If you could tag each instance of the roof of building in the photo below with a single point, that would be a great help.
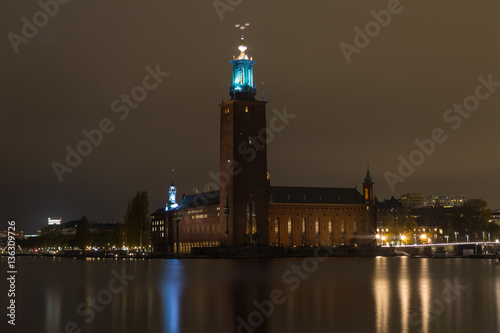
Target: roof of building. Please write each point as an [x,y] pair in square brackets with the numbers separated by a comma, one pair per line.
[192,201]
[200,200]
[389,203]
[159,211]
[315,195]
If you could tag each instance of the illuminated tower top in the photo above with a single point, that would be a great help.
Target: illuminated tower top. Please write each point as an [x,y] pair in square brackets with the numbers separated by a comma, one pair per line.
[172,191]
[242,86]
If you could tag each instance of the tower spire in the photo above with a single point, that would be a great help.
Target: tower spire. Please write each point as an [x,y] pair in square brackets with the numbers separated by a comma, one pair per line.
[242,27]
[368,177]
[368,185]
[242,46]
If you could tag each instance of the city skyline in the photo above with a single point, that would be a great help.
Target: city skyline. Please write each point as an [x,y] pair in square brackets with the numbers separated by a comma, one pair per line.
[392,92]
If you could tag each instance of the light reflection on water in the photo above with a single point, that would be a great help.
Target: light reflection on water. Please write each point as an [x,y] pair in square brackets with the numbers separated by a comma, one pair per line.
[171,291]
[404,294]
[424,291]
[381,295]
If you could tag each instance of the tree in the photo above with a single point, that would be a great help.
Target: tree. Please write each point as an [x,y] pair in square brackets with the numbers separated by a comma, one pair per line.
[137,221]
[83,235]
[472,217]
[494,230]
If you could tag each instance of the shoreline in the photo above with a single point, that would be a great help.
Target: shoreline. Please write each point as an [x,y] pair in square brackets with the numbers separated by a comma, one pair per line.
[255,253]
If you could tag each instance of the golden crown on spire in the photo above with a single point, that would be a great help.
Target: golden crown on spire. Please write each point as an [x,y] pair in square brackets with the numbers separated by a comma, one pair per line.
[242,46]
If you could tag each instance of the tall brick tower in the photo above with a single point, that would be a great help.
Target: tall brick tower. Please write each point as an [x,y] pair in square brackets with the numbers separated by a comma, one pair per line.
[244,189]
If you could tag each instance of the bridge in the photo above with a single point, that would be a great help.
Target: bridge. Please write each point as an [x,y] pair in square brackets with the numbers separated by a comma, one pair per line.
[497,244]
[458,249]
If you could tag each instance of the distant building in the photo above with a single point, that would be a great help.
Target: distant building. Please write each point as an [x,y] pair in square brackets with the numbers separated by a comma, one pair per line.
[69,228]
[18,234]
[495,217]
[446,201]
[412,200]
[56,225]
[417,200]
[55,221]
[387,211]
[4,236]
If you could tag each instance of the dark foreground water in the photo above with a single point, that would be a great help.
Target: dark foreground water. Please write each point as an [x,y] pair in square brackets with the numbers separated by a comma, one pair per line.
[294,295]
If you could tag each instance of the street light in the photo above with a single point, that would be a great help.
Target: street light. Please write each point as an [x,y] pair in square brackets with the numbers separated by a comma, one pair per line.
[403,238]
[422,237]
[377,236]
[447,237]
[456,235]
[467,238]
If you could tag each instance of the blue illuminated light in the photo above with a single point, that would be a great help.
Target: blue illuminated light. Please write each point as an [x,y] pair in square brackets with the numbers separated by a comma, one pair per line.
[172,194]
[171,206]
[243,75]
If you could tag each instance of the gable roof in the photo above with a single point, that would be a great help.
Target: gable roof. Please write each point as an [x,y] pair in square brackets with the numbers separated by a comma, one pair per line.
[315,195]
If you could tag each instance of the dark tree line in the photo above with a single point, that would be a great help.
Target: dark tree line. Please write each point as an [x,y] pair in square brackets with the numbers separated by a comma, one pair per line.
[137,221]
[473,217]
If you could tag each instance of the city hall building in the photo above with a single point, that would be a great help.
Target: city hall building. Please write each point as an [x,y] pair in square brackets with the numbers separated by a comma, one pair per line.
[247,210]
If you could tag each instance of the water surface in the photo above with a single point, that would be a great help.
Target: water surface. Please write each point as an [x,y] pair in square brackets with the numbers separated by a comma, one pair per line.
[337,295]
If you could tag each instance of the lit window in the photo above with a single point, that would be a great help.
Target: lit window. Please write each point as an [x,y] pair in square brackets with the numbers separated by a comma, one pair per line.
[289,226]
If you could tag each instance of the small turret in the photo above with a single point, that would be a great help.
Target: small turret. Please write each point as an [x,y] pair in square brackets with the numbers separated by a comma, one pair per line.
[368,187]
[172,193]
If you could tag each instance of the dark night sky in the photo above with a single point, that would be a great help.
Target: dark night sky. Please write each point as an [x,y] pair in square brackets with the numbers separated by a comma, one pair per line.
[395,91]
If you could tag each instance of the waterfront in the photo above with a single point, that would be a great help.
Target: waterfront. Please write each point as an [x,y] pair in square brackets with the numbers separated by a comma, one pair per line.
[383,294]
